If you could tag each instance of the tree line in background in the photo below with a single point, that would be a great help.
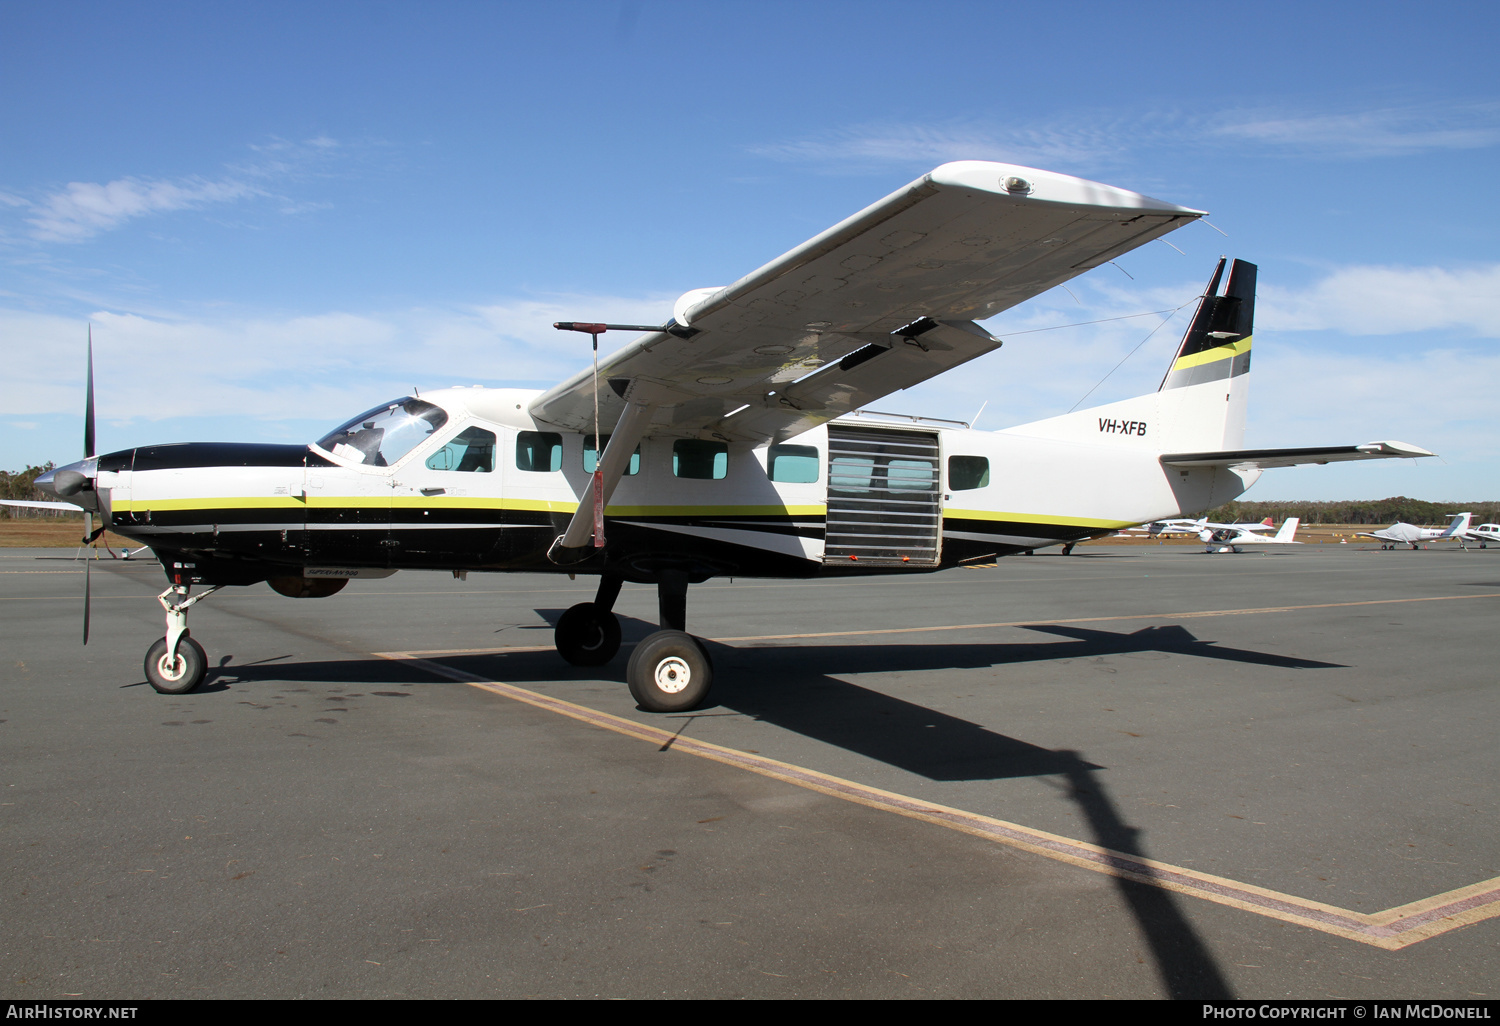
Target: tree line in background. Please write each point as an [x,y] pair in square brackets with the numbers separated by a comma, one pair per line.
[21,486]
[1377,511]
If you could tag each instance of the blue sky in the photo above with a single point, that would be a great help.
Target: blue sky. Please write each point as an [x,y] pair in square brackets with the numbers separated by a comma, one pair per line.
[276,215]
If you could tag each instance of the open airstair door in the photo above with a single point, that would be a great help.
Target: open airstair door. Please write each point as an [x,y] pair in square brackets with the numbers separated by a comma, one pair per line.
[884,500]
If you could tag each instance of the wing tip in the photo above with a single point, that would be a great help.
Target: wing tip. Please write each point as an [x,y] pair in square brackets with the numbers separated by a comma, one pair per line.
[1040,185]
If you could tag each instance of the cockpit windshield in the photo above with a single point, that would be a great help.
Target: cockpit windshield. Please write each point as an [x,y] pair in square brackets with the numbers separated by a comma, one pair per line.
[383,435]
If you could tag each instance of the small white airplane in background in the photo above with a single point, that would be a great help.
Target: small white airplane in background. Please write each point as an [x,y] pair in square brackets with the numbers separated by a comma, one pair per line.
[1399,534]
[1484,534]
[1232,537]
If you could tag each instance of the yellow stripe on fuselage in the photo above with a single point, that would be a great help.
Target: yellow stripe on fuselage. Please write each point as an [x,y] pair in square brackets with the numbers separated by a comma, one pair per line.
[451,502]
[1036,518]
[1224,352]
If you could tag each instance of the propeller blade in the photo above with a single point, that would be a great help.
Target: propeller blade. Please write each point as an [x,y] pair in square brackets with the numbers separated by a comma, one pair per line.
[88,527]
[88,403]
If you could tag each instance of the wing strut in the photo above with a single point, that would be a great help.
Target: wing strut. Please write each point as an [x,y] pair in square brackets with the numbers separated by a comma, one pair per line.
[572,545]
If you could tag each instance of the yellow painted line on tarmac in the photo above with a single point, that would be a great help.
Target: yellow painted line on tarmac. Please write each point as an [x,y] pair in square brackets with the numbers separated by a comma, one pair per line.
[1010,623]
[1191,615]
[1392,929]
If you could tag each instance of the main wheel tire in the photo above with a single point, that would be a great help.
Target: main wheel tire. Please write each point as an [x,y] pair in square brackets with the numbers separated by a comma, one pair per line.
[181,675]
[669,672]
[587,635]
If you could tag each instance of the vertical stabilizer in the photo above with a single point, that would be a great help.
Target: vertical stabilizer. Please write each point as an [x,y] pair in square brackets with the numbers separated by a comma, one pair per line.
[1200,406]
[1459,526]
[1217,343]
[1288,530]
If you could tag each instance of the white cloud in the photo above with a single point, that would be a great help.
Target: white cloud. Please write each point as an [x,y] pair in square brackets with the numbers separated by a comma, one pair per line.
[1104,137]
[327,366]
[1372,300]
[84,209]
[1387,131]
[882,145]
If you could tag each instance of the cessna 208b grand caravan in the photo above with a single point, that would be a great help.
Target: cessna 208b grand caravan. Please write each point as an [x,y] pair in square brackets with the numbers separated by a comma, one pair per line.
[728,441]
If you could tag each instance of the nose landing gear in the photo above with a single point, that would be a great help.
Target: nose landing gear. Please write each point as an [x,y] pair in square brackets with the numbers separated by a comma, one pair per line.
[176,664]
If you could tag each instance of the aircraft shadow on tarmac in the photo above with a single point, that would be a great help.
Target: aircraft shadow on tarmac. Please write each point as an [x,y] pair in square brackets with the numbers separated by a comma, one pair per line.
[800,688]
[793,687]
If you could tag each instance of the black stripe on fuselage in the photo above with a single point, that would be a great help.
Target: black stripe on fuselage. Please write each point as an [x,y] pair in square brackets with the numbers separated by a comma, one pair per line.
[194,455]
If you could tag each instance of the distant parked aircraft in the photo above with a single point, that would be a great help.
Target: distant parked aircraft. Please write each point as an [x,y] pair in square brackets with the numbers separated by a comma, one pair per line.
[1232,537]
[1399,534]
[1483,534]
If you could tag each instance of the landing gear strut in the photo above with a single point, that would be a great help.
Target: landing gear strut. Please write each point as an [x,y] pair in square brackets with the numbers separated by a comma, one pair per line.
[588,634]
[176,664]
[670,670]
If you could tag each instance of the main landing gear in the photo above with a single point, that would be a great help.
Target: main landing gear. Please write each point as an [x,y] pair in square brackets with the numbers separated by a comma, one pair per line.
[176,664]
[669,671]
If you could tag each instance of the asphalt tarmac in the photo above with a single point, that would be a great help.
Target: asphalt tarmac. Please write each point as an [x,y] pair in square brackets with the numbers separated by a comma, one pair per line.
[1127,773]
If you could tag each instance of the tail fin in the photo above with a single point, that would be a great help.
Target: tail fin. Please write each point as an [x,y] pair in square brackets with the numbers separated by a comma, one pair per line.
[1288,530]
[1200,405]
[1217,343]
[1459,526]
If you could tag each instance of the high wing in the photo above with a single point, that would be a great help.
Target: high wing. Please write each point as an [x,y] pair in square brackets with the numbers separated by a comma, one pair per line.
[1264,459]
[877,303]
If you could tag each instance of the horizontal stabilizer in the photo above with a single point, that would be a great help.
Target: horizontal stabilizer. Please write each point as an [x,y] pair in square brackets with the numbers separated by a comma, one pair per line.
[1265,459]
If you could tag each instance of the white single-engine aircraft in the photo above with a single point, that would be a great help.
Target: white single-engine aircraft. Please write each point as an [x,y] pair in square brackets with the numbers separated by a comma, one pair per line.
[730,439]
[1484,534]
[1399,534]
[1233,537]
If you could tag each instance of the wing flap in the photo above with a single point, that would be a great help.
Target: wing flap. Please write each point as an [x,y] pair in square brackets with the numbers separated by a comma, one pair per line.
[1265,459]
[959,244]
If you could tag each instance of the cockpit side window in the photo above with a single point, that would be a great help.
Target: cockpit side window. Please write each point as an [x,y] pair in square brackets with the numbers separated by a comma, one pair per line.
[380,437]
[472,450]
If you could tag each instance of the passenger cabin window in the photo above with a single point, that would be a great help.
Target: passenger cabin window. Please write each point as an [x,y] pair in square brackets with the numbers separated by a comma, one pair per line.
[383,435]
[694,458]
[851,473]
[793,464]
[538,451]
[471,451]
[910,476]
[591,456]
[965,472]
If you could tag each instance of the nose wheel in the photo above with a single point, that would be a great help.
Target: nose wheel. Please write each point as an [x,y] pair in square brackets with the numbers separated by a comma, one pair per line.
[176,664]
[179,674]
